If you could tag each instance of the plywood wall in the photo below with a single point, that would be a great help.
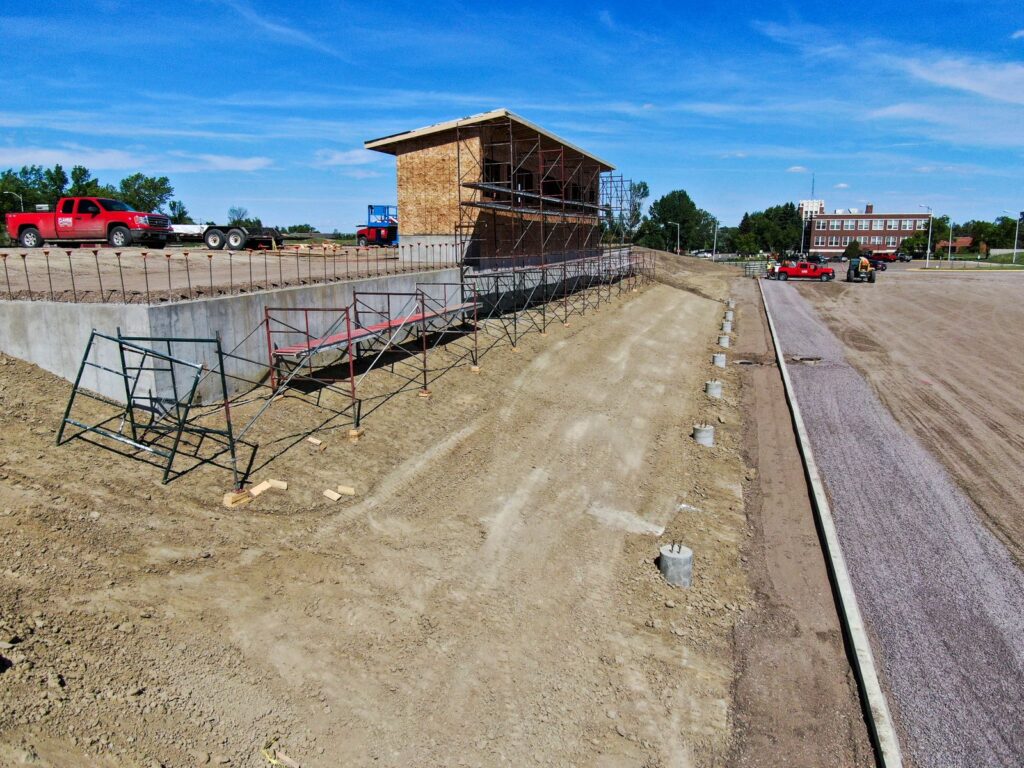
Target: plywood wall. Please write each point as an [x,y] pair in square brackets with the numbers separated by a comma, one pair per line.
[428,183]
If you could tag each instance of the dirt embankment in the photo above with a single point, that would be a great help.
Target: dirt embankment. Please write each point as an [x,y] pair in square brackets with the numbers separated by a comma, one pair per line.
[487,598]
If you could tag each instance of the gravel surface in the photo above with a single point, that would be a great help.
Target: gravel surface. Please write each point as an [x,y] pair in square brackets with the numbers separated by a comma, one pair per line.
[943,599]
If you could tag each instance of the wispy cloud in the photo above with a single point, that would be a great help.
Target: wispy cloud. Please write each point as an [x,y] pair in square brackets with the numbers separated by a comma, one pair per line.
[1018,35]
[279,30]
[994,80]
[99,159]
[797,169]
[842,185]
[333,157]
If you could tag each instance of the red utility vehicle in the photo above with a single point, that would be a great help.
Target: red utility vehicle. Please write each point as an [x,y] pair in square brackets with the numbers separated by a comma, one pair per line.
[89,220]
[804,269]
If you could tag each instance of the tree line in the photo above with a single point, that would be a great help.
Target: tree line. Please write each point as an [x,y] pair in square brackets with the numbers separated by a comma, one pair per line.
[777,229]
[33,185]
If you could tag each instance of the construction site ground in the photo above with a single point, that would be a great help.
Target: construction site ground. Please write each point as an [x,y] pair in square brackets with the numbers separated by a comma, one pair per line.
[942,597]
[488,596]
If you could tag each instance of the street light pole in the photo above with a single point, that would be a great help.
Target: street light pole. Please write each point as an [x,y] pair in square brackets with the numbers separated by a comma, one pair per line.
[928,250]
[20,199]
[1016,233]
[949,255]
[677,237]
[714,247]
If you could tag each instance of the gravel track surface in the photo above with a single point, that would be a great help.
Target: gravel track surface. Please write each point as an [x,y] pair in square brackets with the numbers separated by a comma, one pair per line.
[942,597]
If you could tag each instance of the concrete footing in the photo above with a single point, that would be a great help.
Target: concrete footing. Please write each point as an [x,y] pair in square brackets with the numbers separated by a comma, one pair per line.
[676,564]
[718,359]
[713,388]
[723,341]
[727,326]
[704,434]
[731,303]
[729,315]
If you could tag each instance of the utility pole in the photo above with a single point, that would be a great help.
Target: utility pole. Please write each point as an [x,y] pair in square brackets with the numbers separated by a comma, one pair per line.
[928,251]
[677,237]
[1016,234]
[714,247]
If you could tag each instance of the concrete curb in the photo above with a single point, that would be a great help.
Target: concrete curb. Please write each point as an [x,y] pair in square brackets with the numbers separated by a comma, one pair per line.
[883,731]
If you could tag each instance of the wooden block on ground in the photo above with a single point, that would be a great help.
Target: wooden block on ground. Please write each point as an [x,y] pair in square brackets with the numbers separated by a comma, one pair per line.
[281,485]
[332,495]
[355,434]
[236,498]
[314,441]
[346,490]
[256,490]
[474,369]
[424,393]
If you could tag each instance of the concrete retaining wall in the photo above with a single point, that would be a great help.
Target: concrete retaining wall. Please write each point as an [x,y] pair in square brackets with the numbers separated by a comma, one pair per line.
[53,335]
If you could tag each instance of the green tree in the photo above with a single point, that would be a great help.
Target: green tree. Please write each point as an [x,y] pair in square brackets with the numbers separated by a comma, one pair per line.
[55,182]
[696,226]
[84,185]
[852,251]
[649,235]
[179,213]
[638,193]
[777,229]
[239,217]
[146,193]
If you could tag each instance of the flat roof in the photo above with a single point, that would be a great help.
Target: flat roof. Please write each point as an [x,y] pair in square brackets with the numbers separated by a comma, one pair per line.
[388,144]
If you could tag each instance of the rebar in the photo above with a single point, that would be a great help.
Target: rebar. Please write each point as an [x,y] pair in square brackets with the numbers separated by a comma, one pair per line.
[7,276]
[99,276]
[71,269]
[145,273]
[49,277]
[28,285]
[188,274]
[120,272]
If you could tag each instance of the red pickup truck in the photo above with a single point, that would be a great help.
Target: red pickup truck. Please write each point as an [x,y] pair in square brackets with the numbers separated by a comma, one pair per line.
[803,269]
[89,220]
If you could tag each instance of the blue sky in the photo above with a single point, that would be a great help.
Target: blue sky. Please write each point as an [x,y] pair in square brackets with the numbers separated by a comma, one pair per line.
[266,104]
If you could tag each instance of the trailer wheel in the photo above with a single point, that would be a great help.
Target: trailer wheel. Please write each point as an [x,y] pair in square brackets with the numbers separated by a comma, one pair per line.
[30,238]
[214,239]
[362,241]
[236,239]
[119,237]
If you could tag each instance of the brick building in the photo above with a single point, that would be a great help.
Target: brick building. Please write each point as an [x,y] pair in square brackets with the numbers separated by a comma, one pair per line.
[829,234]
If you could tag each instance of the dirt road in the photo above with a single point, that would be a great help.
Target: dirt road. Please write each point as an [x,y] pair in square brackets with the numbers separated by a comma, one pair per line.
[487,598]
[941,595]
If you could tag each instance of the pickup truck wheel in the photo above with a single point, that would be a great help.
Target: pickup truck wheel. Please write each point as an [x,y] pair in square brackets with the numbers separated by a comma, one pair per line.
[362,241]
[214,239]
[236,239]
[782,276]
[824,278]
[119,237]
[30,238]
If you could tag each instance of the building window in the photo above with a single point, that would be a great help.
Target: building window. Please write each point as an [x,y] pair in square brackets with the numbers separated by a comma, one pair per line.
[890,241]
[835,224]
[846,240]
[821,224]
[892,224]
[863,224]
[850,224]
[833,240]
[922,223]
[819,240]
[877,224]
[908,224]
[876,239]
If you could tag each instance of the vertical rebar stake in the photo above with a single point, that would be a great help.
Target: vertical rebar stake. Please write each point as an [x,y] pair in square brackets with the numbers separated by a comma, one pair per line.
[120,272]
[28,285]
[49,278]
[7,277]
[99,277]
[188,274]
[71,269]
[209,268]
[145,273]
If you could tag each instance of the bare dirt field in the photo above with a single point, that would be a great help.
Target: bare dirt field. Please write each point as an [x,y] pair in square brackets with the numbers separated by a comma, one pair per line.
[138,275]
[941,595]
[488,597]
[945,353]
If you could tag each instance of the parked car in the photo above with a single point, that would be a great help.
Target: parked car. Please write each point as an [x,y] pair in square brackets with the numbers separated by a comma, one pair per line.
[803,270]
[89,220]
[883,256]
[901,256]
[878,264]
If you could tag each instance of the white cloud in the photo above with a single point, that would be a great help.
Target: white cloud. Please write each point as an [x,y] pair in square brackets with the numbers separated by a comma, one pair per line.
[797,169]
[999,81]
[1018,35]
[332,157]
[230,163]
[278,30]
[842,185]
[94,159]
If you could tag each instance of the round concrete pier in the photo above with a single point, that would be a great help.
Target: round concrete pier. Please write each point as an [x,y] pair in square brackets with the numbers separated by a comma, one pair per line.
[729,315]
[718,359]
[727,326]
[676,564]
[713,388]
[731,304]
[723,341]
[704,434]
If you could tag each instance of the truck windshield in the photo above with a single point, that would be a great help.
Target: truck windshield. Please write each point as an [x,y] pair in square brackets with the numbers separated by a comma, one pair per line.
[114,205]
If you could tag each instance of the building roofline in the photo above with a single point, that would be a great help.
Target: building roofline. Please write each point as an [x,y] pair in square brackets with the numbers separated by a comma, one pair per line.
[387,144]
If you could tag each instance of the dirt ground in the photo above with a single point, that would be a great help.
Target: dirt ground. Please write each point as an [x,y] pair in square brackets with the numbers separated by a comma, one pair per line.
[138,275]
[944,353]
[488,597]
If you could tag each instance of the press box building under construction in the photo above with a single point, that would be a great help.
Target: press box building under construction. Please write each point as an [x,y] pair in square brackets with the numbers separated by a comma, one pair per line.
[502,191]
